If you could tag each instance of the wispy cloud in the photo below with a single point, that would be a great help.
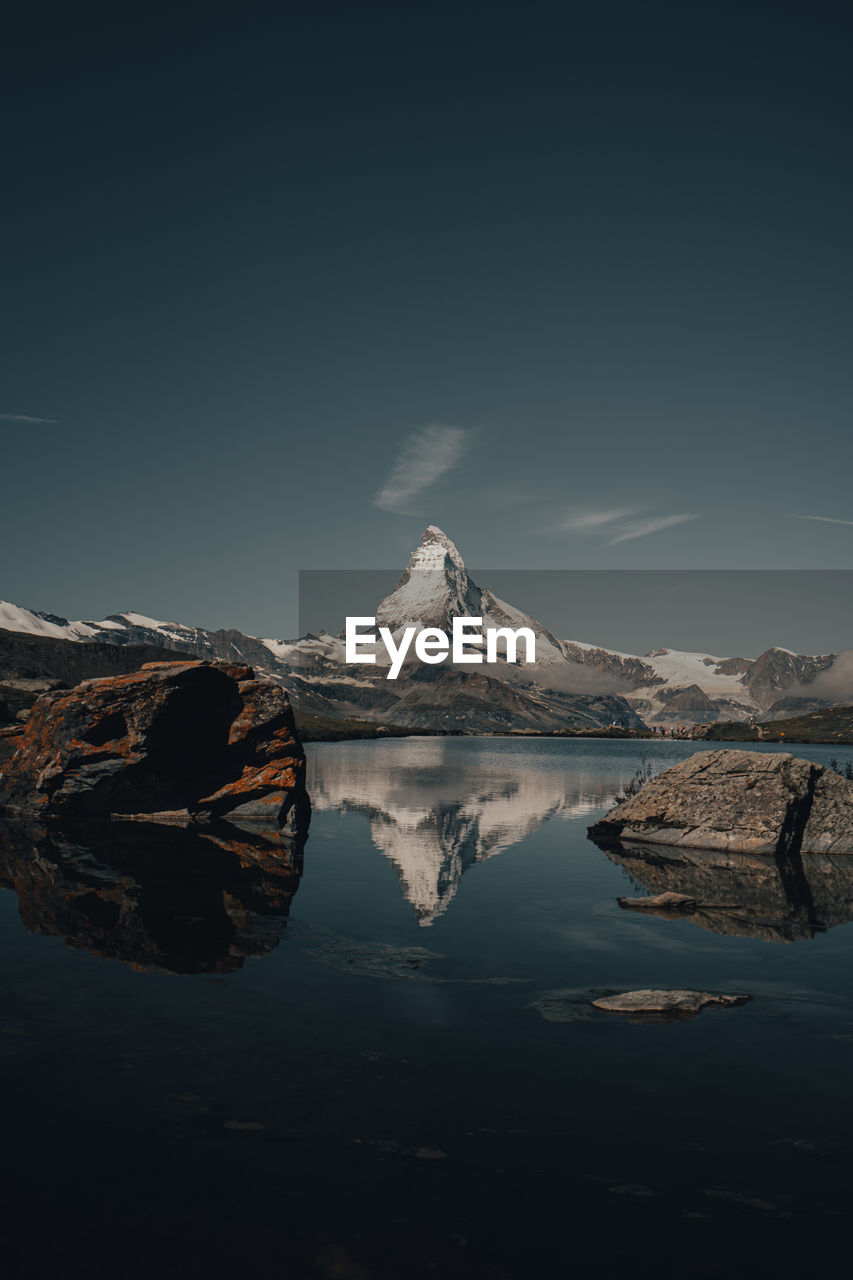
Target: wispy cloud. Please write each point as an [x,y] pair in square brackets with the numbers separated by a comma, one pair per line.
[425,457]
[823,519]
[25,417]
[619,524]
[641,528]
[590,521]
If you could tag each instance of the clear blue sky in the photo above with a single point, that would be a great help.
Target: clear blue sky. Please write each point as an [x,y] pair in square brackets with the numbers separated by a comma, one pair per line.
[294,280]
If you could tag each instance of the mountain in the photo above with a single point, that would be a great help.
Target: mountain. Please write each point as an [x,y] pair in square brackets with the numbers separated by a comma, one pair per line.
[573,684]
[668,686]
[436,588]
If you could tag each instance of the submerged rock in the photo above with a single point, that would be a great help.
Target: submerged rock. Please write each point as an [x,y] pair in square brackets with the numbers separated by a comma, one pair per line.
[664,903]
[202,739]
[739,801]
[664,1006]
[569,1004]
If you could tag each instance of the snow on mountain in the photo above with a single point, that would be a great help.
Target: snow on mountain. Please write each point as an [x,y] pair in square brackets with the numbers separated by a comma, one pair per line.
[14,618]
[436,588]
[680,670]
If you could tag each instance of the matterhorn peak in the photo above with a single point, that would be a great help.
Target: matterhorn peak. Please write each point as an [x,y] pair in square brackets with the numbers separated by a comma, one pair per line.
[434,588]
[434,550]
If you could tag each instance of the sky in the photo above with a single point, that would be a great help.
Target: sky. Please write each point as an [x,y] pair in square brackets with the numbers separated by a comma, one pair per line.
[284,283]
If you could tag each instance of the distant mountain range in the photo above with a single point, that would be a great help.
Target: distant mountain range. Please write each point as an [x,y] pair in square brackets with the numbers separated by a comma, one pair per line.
[573,684]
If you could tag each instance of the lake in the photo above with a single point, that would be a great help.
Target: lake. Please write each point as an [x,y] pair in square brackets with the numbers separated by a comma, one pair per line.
[377,1056]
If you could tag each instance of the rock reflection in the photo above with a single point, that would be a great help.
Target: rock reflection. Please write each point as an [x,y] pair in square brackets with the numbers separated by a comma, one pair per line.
[168,898]
[434,817]
[749,896]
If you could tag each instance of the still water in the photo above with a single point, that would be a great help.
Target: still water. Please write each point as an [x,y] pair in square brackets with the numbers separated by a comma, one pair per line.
[376,1056]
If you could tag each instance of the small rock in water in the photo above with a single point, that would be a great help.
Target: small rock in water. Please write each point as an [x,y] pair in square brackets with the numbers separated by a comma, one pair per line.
[664,1006]
[667,902]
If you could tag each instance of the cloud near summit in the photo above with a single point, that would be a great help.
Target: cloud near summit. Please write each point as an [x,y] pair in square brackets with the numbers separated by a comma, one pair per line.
[620,524]
[425,456]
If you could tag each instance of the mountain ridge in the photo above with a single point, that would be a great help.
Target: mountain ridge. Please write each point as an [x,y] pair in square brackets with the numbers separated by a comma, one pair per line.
[573,683]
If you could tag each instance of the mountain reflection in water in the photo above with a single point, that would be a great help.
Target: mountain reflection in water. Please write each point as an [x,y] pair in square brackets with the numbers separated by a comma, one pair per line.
[436,809]
[434,821]
[158,897]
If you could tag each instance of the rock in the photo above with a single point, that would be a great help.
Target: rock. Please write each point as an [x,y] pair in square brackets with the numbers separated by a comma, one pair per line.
[741,802]
[664,1006]
[10,738]
[667,903]
[18,695]
[202,738]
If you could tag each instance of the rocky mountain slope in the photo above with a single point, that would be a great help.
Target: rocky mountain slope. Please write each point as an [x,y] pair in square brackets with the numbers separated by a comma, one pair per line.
[668,686]
[574,684]
[833,724]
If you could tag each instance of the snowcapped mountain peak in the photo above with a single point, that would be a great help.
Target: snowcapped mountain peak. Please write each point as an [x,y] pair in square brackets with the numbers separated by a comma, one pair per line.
[433,550]
[435,587]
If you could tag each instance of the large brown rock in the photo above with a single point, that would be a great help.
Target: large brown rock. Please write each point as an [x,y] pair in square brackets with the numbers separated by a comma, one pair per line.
[741,802]
[202,738]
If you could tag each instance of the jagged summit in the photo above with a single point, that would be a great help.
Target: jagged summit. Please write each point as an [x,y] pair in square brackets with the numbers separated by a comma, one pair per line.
[433,549]
[435,587]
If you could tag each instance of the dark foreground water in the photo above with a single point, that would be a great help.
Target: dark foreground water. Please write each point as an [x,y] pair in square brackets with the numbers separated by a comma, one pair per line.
[378,1059]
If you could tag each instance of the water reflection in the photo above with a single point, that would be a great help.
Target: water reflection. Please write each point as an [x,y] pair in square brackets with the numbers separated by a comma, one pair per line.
[434,815]
[168,898]
[775,899]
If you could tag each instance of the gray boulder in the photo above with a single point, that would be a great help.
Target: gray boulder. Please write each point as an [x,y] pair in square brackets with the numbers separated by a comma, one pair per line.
[740,802]
[667,903]
[665,1006]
